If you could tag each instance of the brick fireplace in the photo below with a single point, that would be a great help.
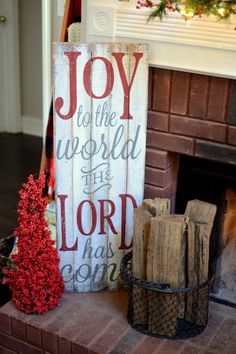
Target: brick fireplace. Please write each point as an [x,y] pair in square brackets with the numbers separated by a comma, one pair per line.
[193,116]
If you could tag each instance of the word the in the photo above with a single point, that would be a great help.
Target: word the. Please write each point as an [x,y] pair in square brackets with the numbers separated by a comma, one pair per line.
[101,117]
[97,177]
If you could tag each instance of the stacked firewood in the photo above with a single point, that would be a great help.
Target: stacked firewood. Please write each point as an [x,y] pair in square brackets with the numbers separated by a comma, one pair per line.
[170,249]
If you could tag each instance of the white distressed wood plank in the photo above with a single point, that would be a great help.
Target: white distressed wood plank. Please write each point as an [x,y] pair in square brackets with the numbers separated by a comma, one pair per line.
[118,173]
[106,170]
[63,132]
[101,78]
[81,260]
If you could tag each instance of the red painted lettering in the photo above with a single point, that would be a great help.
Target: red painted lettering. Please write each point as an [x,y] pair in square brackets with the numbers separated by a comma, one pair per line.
[72,56]
[124,198]
[107,217]
[93,218]
[59,102]
[64,246]
[126,87]
[87,77]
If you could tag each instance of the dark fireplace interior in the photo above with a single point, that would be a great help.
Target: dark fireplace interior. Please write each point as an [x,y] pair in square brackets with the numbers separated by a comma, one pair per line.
[192,118]
[215,183]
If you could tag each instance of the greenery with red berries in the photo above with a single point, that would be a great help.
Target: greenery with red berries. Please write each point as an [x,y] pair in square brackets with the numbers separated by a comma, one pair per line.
[223,9]
[35,281]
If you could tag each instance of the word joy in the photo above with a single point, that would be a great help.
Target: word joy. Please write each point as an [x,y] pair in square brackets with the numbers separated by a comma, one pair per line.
[110,78]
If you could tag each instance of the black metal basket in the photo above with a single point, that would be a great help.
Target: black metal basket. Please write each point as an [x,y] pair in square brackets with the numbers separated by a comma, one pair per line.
[158,310]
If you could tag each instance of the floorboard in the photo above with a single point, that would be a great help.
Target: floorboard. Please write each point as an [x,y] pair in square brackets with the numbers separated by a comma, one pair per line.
[20,156]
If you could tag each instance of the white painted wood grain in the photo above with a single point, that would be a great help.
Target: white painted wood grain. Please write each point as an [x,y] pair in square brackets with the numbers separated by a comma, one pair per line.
[95,265]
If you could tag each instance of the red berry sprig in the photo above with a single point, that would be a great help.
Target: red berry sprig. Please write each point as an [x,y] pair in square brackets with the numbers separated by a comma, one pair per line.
[141,4]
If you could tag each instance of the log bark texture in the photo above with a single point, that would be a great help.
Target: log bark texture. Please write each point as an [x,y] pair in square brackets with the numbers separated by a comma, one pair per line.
[166,265]
[201,217]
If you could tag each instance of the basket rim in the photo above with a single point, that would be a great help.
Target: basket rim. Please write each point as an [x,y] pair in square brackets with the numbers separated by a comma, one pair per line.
[158,287]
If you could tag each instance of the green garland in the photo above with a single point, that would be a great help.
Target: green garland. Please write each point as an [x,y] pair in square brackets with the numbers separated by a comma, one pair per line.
[222,10]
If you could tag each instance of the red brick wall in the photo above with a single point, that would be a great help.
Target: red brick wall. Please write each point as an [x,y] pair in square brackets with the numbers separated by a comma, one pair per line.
[188,114]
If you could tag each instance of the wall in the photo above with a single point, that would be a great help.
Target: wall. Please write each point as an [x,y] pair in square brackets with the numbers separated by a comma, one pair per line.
[189,114]
[50,32]
[30,38]
[56,19]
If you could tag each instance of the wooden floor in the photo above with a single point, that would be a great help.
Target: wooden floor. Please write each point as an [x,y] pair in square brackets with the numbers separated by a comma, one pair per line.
[20,156]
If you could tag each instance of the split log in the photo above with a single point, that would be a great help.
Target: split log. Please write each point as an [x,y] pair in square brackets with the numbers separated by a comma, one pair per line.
[142,221]
[157,206]
[197,272]
[167,250]
[201,212]
[201,217]
[166,264]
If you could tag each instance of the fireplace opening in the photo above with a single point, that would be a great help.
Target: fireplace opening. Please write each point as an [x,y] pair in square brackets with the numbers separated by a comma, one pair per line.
[215,183]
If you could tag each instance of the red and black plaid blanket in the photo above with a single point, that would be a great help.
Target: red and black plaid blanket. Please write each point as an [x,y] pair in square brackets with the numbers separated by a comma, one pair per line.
[49,155]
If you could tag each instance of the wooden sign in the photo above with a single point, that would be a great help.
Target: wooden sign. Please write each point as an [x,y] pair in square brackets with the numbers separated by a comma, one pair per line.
[100,105]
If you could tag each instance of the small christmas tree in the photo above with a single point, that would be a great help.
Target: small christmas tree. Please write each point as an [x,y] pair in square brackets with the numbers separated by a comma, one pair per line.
[36,282]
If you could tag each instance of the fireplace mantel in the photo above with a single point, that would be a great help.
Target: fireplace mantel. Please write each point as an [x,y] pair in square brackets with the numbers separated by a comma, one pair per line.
[203,46]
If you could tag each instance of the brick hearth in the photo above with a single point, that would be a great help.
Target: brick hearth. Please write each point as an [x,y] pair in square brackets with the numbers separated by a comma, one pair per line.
[95,323]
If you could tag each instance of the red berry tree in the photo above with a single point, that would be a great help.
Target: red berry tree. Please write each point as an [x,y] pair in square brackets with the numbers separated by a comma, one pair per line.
[36,282]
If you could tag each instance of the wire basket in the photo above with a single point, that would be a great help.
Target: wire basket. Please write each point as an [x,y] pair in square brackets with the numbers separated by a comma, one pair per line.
[162,311]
